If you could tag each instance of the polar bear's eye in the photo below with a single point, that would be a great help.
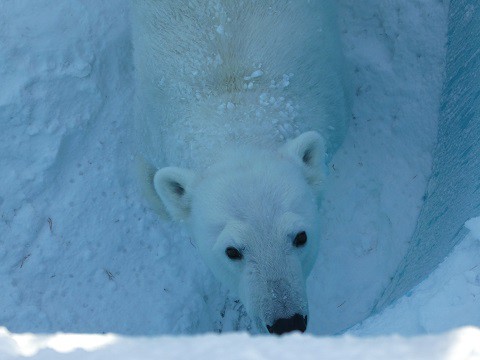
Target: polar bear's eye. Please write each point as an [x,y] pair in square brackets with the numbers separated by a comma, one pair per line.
[233,253]
[300,239]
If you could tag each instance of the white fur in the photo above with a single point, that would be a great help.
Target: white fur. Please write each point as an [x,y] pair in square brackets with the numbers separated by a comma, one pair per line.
[238,92]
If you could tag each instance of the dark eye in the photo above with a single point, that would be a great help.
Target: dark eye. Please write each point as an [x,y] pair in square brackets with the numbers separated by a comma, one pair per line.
[300,239]
[233,253]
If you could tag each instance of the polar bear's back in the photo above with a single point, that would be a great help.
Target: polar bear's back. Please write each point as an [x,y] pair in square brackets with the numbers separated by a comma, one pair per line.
[212,73]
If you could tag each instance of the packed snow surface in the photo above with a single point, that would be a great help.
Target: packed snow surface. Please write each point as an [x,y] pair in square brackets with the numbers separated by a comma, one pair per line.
[449,297]
[80,252]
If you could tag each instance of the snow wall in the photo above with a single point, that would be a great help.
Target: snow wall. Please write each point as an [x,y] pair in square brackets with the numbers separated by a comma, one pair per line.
[453,192]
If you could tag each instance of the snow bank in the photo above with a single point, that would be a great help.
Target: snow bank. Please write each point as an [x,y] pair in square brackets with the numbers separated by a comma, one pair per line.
[452,195]
[378,177]
[449,297]
[462,344]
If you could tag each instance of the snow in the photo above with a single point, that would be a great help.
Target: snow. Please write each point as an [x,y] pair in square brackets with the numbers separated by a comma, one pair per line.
[474,226]
[79,252]
[452,195]
[462,344]
[448,298]
[378,177]
[256,74]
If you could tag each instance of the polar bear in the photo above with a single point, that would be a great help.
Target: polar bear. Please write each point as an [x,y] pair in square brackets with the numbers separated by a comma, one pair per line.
[239,106]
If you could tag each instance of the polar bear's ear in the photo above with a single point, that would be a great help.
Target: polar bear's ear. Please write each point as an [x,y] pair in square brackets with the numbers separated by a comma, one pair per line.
[308,150]
[174,185]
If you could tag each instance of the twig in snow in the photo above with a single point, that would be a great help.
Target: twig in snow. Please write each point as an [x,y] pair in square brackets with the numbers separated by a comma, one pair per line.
[24,259]
[50,224]
[109,274]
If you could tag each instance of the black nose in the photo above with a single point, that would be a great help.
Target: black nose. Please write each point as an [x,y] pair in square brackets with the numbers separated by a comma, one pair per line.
[296,322]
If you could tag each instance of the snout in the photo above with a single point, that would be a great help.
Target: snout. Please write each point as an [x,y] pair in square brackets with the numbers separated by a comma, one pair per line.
[295,323]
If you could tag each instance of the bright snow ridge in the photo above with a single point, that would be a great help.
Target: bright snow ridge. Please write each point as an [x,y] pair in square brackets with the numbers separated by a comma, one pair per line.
[459,345]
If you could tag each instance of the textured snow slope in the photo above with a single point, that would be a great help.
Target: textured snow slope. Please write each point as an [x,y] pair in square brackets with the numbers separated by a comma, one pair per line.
[449,297]
[79,252]
[453,191]
[378,177]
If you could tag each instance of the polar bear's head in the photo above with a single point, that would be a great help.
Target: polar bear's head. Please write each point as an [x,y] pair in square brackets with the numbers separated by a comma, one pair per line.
[253,216]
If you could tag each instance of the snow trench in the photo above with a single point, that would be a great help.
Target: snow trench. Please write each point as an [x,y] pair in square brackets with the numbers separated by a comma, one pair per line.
[453,193]
[79,252]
